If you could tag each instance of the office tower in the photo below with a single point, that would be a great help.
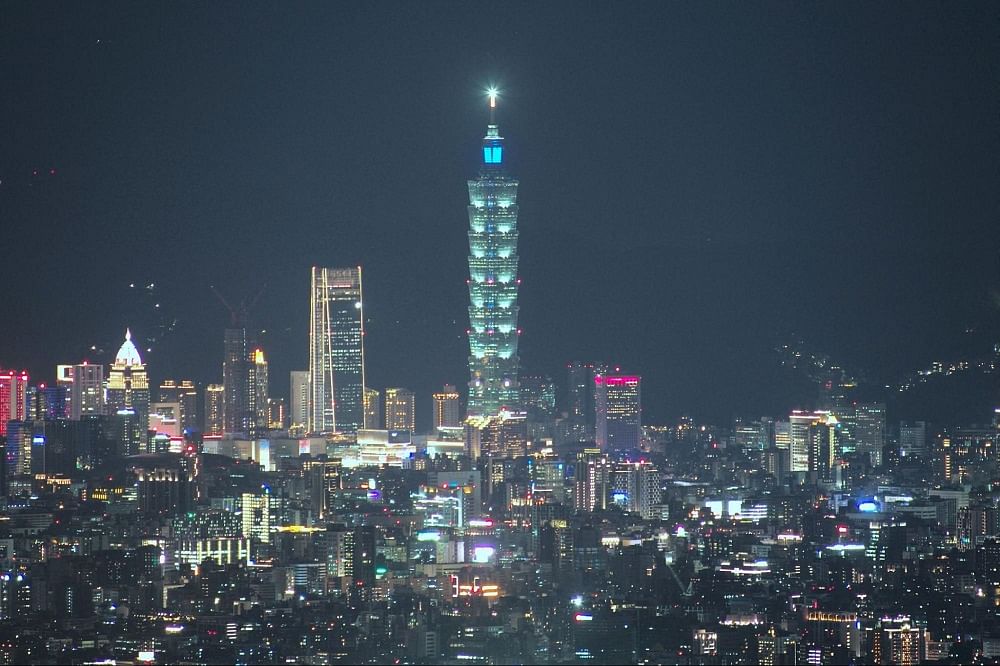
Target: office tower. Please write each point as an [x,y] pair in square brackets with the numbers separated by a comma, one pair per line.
[468,483]
[538,398]
[635,486]
[64,378]
[339,542]
[798,438]
[336,351]
[593,474]
[363,564]
[579,406]
[165,419]
[773,649]
[493,282]
[128,397]
[324,476]
[548,479]
[239,395]
[168,391]
[47,402]
[299,413]
[13,398]
[898,641]
[188,397]
[503,435]
[447,408]
[912,438]
[618,412]
[18,452]
[214,408]
[185,394]
[753,436]
[165,491]
[823,444]
[277,414]
[85,383]
[373,409]
[835,387]
[256,510]
[261,397]
[869,430]
[15,600]
[399,409]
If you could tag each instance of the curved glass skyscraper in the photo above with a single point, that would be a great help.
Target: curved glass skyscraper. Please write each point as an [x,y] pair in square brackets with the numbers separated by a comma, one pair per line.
[493,281]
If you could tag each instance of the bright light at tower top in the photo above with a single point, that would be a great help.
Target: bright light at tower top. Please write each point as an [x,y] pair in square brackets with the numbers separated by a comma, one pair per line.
[493,92]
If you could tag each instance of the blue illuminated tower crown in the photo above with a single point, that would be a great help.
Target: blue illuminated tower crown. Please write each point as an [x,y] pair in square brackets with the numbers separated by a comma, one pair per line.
[493,281]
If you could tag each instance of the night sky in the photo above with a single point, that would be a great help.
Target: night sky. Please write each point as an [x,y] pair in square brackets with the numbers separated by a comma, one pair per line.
[696,179]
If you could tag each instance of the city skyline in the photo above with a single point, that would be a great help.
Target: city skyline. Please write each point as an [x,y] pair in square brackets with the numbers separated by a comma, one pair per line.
[707,373]
[693,207]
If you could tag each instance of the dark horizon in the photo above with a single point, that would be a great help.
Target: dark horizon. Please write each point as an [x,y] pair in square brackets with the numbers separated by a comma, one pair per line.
[695,183]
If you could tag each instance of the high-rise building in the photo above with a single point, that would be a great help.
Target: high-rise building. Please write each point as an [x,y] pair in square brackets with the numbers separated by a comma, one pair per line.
[47,402]
[186,395]
[128,396]
[503,435]
[18,454]
[593,476]
[493,282]
[165,490]
[239,394]
[912,438]
[400,409]
[799,423]
[64,378]
[85,384]
[277,413]
[299,402]
[13,398]
[538,398]
[447,408]
[363,564]
[256,509]
[824,436]
[214,408]
[635,486]
[324,484]
[898,641]
[373,409]
[869,430]
[580,395]
[618,412]
[262,415]
[336,351]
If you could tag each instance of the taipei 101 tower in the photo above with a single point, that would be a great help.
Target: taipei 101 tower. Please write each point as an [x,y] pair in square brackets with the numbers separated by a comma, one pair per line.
[493,281]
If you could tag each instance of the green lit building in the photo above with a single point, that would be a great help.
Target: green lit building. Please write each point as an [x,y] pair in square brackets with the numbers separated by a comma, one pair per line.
[493,281]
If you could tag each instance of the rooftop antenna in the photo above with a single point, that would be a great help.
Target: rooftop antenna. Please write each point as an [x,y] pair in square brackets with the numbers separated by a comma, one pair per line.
[492,92]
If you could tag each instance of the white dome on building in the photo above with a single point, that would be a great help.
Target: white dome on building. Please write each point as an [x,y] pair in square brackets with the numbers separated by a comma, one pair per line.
[128,355]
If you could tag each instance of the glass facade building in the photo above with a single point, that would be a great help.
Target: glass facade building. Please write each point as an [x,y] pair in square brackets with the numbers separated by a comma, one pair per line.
[493,283]
[239,408]
[618,411]
[336,351]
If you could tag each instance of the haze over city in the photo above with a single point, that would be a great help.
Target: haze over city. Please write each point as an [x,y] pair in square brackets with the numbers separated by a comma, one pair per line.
[710,180]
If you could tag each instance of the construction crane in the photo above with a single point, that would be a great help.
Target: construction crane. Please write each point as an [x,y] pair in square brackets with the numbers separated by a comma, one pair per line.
[241,313]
